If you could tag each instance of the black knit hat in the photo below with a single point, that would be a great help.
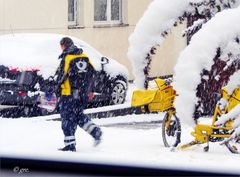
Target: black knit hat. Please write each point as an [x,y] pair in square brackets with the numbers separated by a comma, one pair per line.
[66,41]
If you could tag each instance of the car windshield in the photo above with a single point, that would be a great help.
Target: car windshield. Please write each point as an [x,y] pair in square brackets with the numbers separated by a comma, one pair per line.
[91,53]
[24,78]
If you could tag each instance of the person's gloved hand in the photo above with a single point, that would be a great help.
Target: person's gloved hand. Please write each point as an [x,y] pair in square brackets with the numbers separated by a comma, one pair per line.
[50,86]
[51,89]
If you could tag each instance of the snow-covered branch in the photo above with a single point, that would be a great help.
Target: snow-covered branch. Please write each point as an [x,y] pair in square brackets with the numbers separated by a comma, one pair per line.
[234,82]
[160,17]
[195,27]
[233,114]
[158,20]
[199,55]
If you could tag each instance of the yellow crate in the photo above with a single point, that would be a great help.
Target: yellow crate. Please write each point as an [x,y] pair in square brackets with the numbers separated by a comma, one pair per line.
[157,100]
[163,100]
[142,97]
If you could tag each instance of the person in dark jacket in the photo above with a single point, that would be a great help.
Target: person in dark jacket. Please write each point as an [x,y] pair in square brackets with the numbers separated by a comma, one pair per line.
[74,78]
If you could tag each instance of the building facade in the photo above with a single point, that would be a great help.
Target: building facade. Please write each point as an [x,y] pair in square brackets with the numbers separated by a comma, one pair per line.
[104,24]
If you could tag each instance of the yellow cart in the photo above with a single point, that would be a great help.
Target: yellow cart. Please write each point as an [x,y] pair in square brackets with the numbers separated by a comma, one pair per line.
[161,99]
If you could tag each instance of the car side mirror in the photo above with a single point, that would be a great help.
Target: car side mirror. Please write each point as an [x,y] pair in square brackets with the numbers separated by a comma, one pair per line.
[104,61]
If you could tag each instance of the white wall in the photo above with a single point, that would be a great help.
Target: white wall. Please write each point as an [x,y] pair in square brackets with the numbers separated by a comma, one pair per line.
[166,55]
[30,15]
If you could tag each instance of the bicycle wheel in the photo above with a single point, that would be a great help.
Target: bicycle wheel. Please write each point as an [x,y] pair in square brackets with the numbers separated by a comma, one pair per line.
[171,129]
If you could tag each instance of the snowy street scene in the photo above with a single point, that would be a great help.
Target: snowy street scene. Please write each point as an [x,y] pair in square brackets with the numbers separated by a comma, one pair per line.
[134,140]
[95,88]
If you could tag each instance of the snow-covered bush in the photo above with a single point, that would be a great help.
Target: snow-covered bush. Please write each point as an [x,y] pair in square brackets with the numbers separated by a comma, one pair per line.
[200,56]
[157,22]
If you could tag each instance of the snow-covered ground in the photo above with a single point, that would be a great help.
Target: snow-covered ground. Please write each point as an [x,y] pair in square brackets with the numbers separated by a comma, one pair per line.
[40,137]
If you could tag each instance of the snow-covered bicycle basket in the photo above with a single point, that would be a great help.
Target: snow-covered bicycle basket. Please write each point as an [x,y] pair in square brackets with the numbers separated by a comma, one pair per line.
[158,99]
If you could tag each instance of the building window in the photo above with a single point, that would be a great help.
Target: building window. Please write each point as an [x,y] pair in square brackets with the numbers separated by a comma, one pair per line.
[108,11]
[72,12]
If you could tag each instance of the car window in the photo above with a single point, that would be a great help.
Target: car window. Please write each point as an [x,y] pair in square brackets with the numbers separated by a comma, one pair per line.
[25,78]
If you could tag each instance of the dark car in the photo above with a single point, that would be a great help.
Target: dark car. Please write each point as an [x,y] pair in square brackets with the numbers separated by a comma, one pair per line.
[22,88]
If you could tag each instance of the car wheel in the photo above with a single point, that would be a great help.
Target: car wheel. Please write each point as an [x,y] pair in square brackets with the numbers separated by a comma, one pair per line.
[118,91]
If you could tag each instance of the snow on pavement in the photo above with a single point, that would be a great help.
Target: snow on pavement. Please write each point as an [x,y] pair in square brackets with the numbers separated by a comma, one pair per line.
[128,144]
[40,138]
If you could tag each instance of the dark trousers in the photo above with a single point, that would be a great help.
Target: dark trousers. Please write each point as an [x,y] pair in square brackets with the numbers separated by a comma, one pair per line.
[71,111]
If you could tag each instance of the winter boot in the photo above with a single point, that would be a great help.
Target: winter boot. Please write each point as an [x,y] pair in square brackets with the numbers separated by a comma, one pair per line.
[93,130]
[97,138]
[70,147]
[70,143]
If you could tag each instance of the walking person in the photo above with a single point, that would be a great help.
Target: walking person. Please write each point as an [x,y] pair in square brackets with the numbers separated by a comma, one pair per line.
[74,78]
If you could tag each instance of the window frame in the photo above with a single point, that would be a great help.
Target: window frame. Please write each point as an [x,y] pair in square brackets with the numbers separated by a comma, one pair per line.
[109,21]
[75,21]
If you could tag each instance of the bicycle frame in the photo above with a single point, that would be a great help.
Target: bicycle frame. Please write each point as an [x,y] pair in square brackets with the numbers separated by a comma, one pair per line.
[211,133]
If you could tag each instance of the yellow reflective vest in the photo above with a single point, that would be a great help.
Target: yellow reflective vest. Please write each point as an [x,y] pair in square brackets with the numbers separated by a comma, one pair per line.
[66,86]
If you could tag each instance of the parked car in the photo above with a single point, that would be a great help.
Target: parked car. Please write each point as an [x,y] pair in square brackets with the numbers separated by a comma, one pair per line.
[35,58]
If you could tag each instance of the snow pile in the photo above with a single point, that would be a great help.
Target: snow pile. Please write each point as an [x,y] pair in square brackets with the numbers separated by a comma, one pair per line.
[158,20]
[199,55]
